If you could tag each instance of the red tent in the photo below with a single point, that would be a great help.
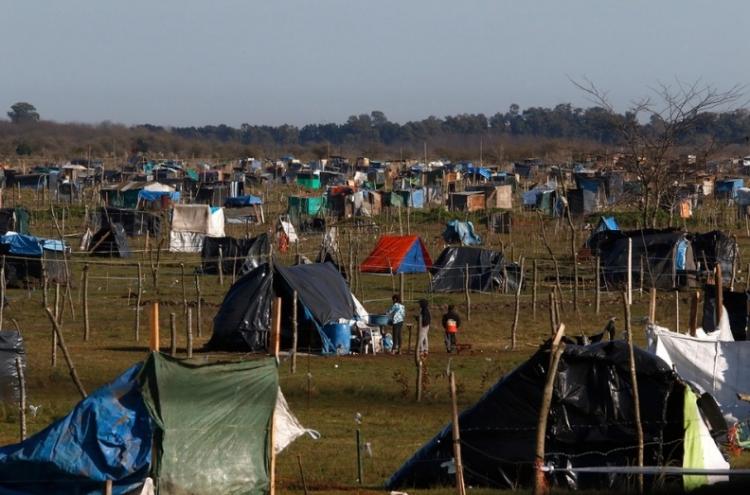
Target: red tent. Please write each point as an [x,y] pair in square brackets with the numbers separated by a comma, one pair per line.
[398,254]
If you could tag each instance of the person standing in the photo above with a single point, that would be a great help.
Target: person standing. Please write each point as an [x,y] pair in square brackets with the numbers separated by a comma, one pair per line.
[451,324]
[424,329]
[397,315]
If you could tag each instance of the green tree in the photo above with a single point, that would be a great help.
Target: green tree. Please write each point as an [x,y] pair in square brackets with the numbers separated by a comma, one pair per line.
[23,112]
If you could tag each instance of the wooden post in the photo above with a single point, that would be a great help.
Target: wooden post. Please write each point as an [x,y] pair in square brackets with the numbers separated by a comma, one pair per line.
[466,292]
[302,474]
[154,335]
[677,311]
[630,271]
[138,303]
[552,313]
[652,306]
[66,354]
[694,312]
[634,386]
[294,332]
[21,399]
[517,309]
[598,295]
[189,332]
[533,290]
[719,285]
[540,483]
[108,487]
[184,289]
[57,319]
[640,282]
[401,287]
[275,327]
[173,334]
[460,487]
[86,326]
[198,311]
[221,267]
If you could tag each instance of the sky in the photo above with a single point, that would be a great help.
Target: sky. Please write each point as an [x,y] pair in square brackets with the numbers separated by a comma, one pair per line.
[186,62]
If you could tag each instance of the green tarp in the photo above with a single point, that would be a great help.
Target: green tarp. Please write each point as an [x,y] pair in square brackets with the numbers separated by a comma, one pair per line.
[305,205]
[213,423]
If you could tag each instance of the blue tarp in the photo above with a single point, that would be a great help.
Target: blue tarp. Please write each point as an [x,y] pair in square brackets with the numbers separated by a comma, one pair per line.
[606,223]
[463,232]
[106,436]
[28,245]
[680,261]
[485,173]
[414,261]
[240,201]
[156,195]
[729,187]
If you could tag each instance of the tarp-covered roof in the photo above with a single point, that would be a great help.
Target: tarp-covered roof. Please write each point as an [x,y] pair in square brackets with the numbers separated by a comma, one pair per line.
[240,201]
[449,271]
[399,254]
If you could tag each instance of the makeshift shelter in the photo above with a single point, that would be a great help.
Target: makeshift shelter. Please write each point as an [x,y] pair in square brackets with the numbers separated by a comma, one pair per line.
[243,201]
[449,271]
[212,194]
[727,188]
[461,232]
[243,321]
[720,368]
[308,180]
[668,260]
[110,241]
[590,424]
[237,256]
[606,224]
[191,224]
[466,201]
[735,304]
[158,196]
[11,348]
[14,219]
[501,222]
[26,256]
[179,423]
[716,247]
[135,222]
[398,254]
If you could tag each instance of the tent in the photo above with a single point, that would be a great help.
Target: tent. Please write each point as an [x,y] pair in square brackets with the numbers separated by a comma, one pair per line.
[238,255]
[243,320]
[135,222]
[449,271]
[398,254]
[191,224]
[30,256]
[590,424]
[111,241]
[461,232]
[180,423]
[668,260]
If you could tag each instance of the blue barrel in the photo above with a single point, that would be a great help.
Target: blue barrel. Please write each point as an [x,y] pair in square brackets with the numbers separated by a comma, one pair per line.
[340,335]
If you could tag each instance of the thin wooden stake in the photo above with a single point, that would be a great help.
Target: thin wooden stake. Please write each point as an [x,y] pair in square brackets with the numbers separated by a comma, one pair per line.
[460,487]
[533,290]
[552,313]
[86,327]
[302,474]
[719,285]
[21,399]
[221,267]
[630,271]
[652,306]
[189,332]
[294,333]
[154,334]
[66,354]
[173,334]
[598,296]
[466,292]
[517,309]
[198,309]
[2,292]
[677,311]
[138,303]
[634,385]
[693,326]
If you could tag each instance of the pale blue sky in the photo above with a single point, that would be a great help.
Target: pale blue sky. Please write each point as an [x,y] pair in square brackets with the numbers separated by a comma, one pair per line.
[186,62]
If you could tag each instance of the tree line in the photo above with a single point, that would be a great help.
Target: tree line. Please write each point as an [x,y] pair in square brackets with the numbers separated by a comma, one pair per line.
[369,134]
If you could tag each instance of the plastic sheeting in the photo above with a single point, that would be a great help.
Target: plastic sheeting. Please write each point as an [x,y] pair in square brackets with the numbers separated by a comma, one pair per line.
[321,289]
[213,422]
[462,232]
[590,422]
[239,256]
[240,201]
[110,241]
[449,271]
[106,436]
[715,247]
[185,242]
[720,368]
[11,347]
[735,305]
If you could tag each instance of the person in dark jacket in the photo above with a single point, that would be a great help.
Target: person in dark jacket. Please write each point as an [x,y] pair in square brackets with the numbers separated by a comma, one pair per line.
[451,324]
[424,329]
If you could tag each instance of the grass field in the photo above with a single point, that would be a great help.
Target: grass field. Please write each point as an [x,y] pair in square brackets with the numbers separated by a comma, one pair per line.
[381,387]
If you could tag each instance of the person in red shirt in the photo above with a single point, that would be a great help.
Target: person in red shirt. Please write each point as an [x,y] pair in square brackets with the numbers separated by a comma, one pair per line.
[451,324]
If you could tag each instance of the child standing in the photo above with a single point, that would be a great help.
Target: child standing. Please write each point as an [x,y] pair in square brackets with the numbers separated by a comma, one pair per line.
[397,315]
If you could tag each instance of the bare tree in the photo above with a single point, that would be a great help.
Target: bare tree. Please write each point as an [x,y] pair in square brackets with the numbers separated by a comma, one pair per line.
[651,130]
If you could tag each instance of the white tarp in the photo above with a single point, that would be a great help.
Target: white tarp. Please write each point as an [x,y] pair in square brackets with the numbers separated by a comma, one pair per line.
[201,219]
[185,242]
[721,368]
[287,427]
[158,187]
[288,229]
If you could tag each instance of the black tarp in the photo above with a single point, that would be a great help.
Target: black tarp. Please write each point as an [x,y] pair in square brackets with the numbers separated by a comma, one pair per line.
[110,241]
[449,271]
[240,256]
[11,347]
[243,321]
[14,219]
[659,250]
[715,246]
[736,306]
[135,222]
[591,422]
